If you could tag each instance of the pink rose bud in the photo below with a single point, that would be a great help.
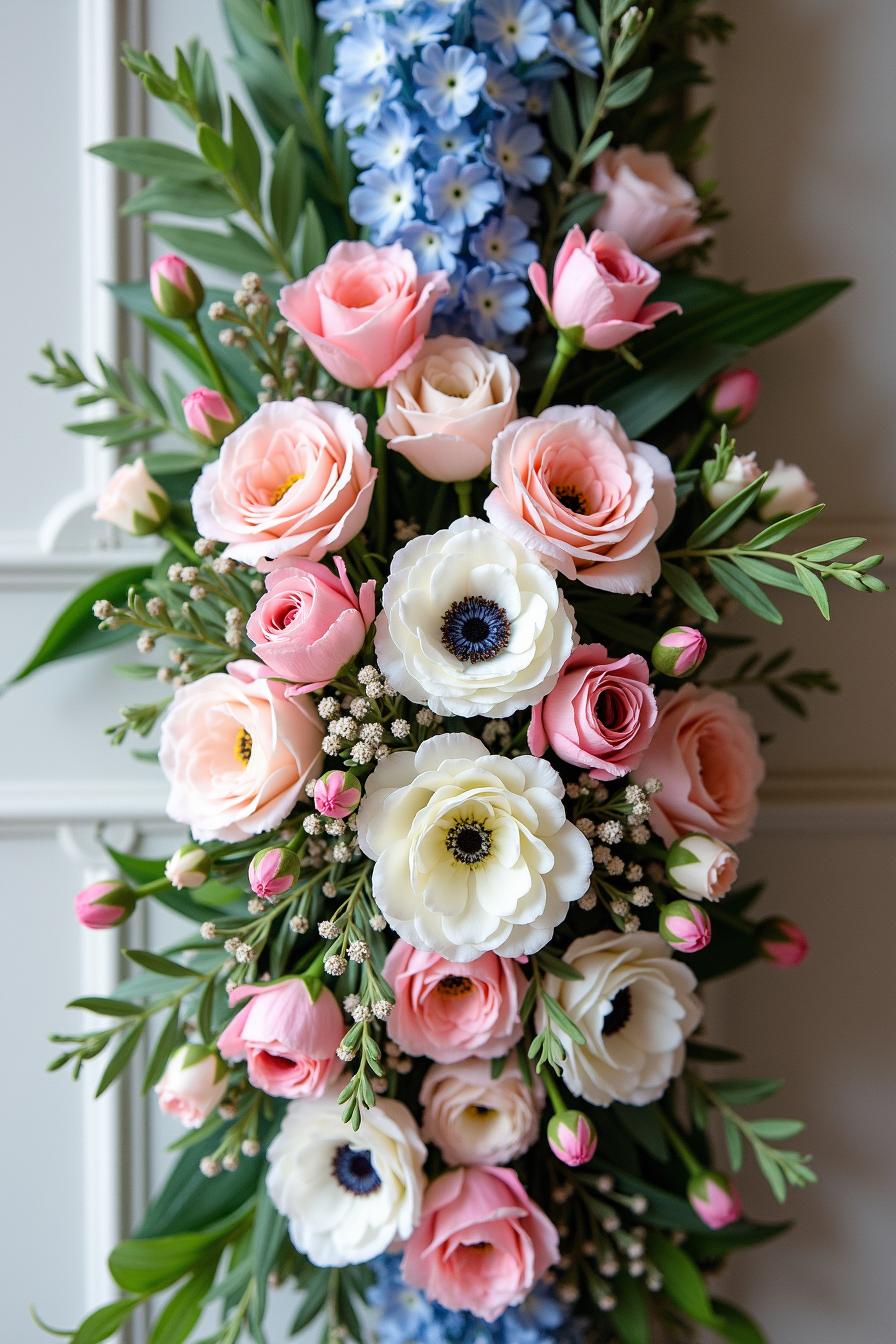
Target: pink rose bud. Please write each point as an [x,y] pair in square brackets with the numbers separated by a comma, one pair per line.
[787,489]
[175,287]
[700,867]
[742,470]
[733,396]
[679,652]
[210,416]
[133,501]
[685,926]
[193,1084]
[273,872]
[336,793]
[572,1138]
[102,905]
[714,1199]
[782,942]
[188,867]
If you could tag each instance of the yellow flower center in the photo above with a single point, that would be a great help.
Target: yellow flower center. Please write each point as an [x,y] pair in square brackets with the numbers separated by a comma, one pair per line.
[286,485]
[480,1112]
[242,747]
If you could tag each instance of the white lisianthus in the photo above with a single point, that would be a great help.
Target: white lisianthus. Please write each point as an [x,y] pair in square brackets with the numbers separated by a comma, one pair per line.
[474,853]
[475,1118]
[742,470]
[348,1194]
[787,489]
[701,867]
[635,1006]
[472,623]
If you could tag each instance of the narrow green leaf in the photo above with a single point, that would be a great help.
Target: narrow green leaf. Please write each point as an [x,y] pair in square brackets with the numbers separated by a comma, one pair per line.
[631,1316]
[151,961]
[180,1314]
[814,587]
[561,122]
[682,1281]
[152,158]
[685,586]
[734,1325]
[146,1265]
[766,572]
[119,1062]
[214,149]
[746,1091]
[246,151]
[107,1007]
[557,966]
[735,1143]
[652,395]
[169,1038]
[313,238]
[723,519]
[830,550]
[772,1172]
[596,148]
[645,1127]
[287,187]
[782,528]
[745,589]
[777,1129]
[630,88]
[234,251]
[565,1023]
[201,199]
[103,1322]
[313,1301]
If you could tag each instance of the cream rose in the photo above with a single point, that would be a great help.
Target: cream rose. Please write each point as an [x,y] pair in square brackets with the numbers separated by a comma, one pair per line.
[650,205]
[472,1117]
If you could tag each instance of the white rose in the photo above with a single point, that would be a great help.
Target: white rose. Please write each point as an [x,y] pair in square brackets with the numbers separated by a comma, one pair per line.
[787,489]
[348,1194]
[472,623]
[474,853]
[742,470]
[133,501]
[635,1006]
[475,1118]
[701,867]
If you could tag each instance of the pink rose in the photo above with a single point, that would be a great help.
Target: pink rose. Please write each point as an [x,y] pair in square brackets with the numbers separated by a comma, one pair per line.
[103,905]
[310,621]
[733,395]
[481,1244]
[650,205]
[287,1038]
[210,415]
[571,485]
[443,412]
[237,753]
[193,1084]
[472,1117]
[449,1010]
[600,291]
[295,479]
[364,312]
[599,716]
[705,752]
[175,287]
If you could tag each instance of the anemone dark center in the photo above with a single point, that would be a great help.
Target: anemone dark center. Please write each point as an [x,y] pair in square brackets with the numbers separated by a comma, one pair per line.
[571,499]
[455,986]
[355,1171]
[468,842]
[620,1012]
[475,629]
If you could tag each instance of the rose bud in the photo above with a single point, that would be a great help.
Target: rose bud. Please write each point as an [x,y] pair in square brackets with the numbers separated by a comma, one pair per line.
[702,868]
[336,793]
[273,872]
[175,287]
[742,470]
[714,1199]
[572,1138]
[733,396]
[188,867]
[787,489]
[210,416]
[782,942]
[685,926]
[133,501]
[679,652]
[194,1081]
[102,905]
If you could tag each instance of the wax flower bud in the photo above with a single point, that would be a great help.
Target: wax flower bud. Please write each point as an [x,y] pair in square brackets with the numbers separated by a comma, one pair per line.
[193,1084]
[733,396]
[102,905]
[273,872]
[175,287]
[188,867]
[782,942]
[685,926]
[679,652]
[742,470]
[572,1138]
[210,416]
[714,1199]
[701,867]
[133,501]
[337,793]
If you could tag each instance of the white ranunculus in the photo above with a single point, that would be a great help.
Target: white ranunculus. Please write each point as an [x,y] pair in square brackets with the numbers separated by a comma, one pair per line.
[701,867]
[472,622]
[474,852]
[787,489]
[475,1118]
[348,1194]
[635,1005]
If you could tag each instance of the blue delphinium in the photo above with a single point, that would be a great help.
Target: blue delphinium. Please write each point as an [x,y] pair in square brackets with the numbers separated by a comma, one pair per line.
[441,100]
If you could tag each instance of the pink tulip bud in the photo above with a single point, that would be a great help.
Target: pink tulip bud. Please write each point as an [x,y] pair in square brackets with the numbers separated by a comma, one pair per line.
[337,793]
[102,905]
[175,287]
[782,942]
[273,872]
[188,867]
[210,416]
[685,926]
[679,652]
[733,396]
[572,1138]
[714,1199]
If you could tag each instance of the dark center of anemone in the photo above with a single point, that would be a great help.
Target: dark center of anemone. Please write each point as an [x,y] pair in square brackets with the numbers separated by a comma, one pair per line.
[455,986]
[468,842]
[354,1170]
[571,499]
[475,629]
[620,1012]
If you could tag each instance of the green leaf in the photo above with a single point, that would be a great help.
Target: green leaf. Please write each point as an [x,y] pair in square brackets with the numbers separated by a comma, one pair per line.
[723,519]
[745,589]
[596,147]
[772,1172]
[685,586]
[313,247]
[682,1281]
[189,1202]
[268,1232]
[830,550]
[150,1264]
[215,149]
[746,1091]
[735,1143]
[777,1129]
[734,1325]
[151,961]
[312,1302]
[631,1316]
[108,1007]
[181,1312]
[581,208]
[247,153]
[766,572]
[657,392]
[645,1127]
[103,1322]
[169,1038]
[118,1063]
[557,966]
[233,251]
[152,158]
[814,587]
[287,187]
[782,528]
[565,1023]
[630,88]
[561,122]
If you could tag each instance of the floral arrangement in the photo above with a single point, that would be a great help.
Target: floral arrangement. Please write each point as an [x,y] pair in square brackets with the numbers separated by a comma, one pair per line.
[446,535]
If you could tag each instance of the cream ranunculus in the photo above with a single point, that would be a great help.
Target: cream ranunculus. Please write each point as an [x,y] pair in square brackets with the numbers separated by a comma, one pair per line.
[348,1194]
[654,209]
[474,852]
[472,622]
[472,1117]
[635,1005]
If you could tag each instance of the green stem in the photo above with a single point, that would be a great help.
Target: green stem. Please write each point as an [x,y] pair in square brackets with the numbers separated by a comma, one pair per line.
[464,492]
[171,535]
[565,351]
[695,445]
[553,1091]
[148,888]
[678,1143]
[208,359]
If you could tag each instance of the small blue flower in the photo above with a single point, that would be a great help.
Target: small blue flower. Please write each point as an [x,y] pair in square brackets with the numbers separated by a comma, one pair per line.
[420,25]
[449,80]
[339,15]
[354,105]
[460,194]
[364,52]
[459,140]
[505,242]
[434,249]
[522,207]
[387,144]
[577,47]
[517,29]
[502,89]
[512,147]
[496,302]
[384,200]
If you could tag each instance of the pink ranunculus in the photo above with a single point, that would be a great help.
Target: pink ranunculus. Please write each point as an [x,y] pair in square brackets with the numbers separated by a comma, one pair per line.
[600,290]
[337,793]
[705,753]
[287,1038]
[450,1010]
[210,415]
[472,1117]
[572,1138]
[103,905]
[714,1199]
[647,203]
[192,1085]
[571,485]
[599,716]
[175,287]
[685,926]
[364,312]
[679,652]
[782,942]
[237,753]
[273,872]
[294,480]
[481,1243]
[733,396]
[310,621]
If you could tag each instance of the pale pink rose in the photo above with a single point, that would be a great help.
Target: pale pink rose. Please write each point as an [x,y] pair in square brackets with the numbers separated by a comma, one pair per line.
[192,1085]
[133,500]
[450,1010]
[705,752]
[734,395]
[571,485]
[237,753]
[443,412]
[600,290]
[481,1244]
[364,312]
[310,621]
[787,489]
[287,1038]
[647,203]
[294,480]
[599,716]
[472,1117]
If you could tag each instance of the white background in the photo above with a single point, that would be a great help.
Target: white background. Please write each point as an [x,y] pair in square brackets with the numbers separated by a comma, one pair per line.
[802,150]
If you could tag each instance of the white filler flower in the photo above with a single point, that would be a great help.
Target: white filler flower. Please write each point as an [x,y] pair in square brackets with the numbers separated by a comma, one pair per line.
[472,622]
[474,852]
[348,1194]
[635,1005]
